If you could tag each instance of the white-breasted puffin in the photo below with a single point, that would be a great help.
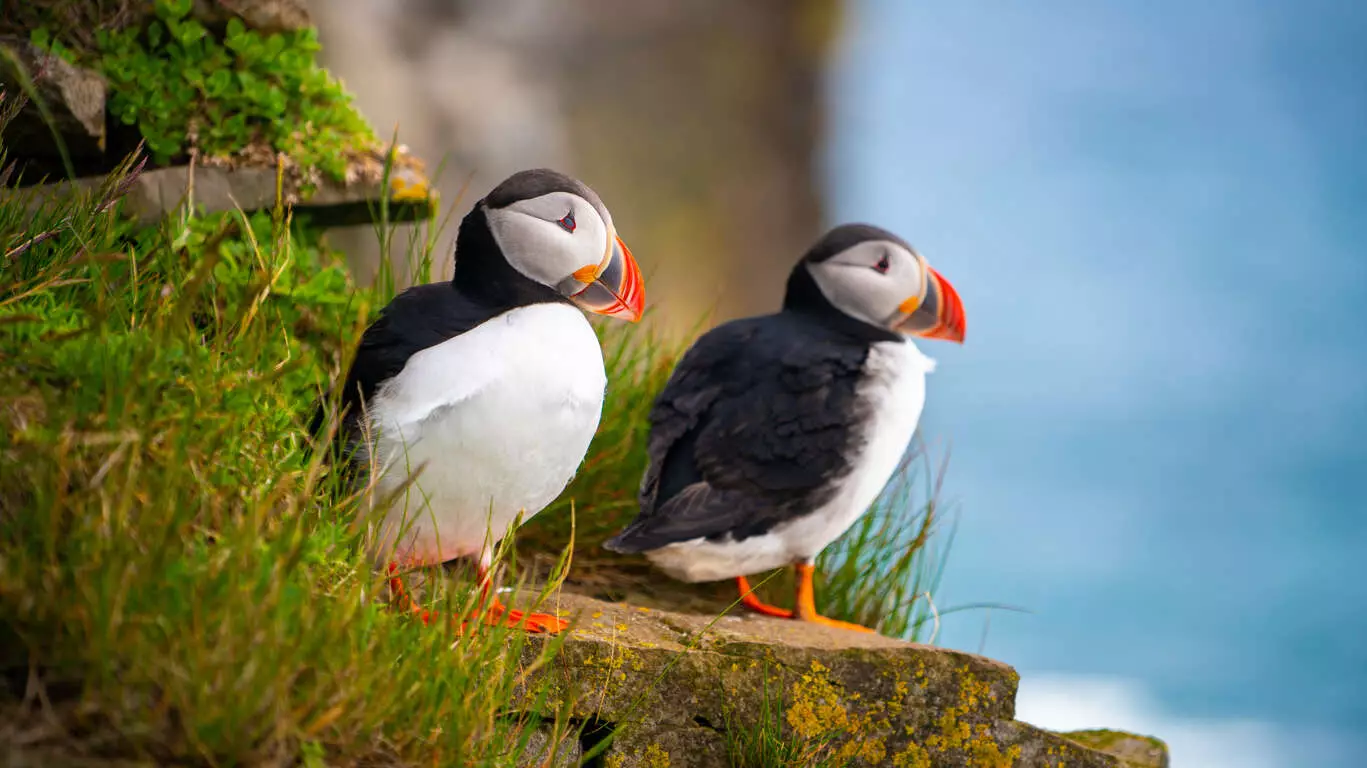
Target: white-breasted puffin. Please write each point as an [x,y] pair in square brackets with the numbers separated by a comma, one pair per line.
[775,433]
[485,391]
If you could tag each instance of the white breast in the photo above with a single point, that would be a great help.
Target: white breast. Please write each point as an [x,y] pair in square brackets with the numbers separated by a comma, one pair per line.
[493,422]
[894,392]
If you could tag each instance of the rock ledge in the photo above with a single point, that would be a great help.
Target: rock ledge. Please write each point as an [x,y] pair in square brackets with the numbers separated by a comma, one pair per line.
[672,689]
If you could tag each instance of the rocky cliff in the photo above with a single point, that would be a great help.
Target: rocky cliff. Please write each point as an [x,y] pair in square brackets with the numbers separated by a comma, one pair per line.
[675,689]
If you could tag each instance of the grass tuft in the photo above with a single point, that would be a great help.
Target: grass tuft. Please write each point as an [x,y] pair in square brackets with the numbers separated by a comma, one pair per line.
[177,580]
[765,739]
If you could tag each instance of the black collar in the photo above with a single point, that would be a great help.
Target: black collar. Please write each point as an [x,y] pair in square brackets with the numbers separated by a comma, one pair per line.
[483,273]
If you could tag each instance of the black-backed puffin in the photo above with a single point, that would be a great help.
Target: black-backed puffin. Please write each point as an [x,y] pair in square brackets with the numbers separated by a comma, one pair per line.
[485,391]
[775,433]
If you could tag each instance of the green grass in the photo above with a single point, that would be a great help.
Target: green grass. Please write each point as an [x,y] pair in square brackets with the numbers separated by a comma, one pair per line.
[766,740]
[177,580]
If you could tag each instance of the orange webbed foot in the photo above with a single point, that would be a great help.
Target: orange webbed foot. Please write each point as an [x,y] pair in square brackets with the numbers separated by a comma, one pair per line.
[806,603]
[749,600]
[838,624]
[500,615]
[495,615]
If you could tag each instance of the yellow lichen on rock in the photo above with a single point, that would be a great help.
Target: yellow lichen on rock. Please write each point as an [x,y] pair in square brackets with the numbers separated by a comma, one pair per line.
[953,734]
[656,757]
[914,756]
[816,708]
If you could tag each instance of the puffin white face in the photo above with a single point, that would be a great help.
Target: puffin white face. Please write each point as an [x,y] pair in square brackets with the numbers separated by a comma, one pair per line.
[563,241]
[549,238]
[888,285]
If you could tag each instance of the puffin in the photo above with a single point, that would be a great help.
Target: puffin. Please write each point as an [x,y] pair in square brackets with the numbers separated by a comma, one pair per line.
[775,433]
[470,404]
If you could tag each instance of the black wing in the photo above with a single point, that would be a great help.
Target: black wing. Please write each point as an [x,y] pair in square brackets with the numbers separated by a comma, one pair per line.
[754,424]
[420,317]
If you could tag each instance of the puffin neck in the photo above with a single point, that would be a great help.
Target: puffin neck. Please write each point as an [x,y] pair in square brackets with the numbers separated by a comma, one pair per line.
[804,297]
[484,274]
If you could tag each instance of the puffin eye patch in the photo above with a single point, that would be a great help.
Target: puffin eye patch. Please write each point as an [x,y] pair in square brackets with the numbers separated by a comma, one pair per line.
[882,266]
[567,223]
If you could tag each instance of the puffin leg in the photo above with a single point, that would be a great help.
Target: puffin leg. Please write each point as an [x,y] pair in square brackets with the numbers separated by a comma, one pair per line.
[806,602]
[399,592]
[748,599]
[491,612]
[497,614]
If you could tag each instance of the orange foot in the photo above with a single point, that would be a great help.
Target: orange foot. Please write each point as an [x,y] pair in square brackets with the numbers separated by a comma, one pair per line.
[806,602]
[748,599]
[819,619]
[500,615]
[496,615]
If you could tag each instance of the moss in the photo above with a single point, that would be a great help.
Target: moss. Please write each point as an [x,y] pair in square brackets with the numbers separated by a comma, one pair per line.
[234,92]
[1103,739]
[1133,749]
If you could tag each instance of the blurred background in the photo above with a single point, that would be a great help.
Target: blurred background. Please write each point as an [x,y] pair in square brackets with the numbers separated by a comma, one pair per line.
[1156,215]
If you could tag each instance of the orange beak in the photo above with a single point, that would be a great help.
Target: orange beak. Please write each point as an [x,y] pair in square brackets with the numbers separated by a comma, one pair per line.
[614,288]
[937,315]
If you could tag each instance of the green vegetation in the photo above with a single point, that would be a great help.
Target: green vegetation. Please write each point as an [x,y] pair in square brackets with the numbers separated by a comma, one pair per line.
[771,741]
[187,87]
[178,581]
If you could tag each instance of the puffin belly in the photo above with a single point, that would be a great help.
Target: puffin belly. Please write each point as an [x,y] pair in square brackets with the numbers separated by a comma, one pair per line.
[509,447]
[702,560]
[893,394]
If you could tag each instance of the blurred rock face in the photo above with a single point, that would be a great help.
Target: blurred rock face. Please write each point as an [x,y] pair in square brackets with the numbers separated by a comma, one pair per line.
[696,121]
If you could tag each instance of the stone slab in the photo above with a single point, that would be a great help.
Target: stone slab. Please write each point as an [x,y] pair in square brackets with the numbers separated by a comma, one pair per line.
[216,188]
[682,689]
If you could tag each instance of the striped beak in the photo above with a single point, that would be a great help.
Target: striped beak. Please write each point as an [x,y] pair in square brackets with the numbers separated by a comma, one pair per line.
[939,314]
[613,288]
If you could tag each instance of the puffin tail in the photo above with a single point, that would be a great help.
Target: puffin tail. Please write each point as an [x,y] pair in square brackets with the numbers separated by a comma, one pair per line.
[626,542]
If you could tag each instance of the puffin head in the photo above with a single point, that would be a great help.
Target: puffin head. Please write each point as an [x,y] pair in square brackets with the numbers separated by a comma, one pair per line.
[555,232]
[873,277]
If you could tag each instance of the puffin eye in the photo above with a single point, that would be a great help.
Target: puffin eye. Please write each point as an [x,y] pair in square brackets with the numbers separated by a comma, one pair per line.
[567,223]
[882,266]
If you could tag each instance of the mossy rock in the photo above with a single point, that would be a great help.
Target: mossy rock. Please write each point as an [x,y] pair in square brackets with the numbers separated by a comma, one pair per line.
[1135,751]
[217,81]
[256,184]
[675,687]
